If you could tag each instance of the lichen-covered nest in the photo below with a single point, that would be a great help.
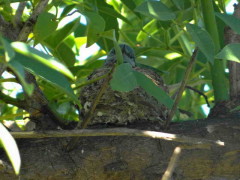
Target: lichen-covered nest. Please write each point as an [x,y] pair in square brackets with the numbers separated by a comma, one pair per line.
[122,108]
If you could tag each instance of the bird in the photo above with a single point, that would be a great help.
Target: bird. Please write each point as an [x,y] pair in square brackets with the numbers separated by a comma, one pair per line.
[122,108]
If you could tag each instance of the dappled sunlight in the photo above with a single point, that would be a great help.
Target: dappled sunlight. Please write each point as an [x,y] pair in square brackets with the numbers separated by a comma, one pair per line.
[165,136]
[10,88]
[172,164]
[172,55]
[85,53]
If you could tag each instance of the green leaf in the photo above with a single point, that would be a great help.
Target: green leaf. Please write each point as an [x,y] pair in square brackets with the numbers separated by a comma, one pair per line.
[45,26]
[231,21]
[156,9]
[67,10]
[65,54]
[9,52]
[19,70]
[230,52]
[110,15]
[148,28]
[11,148]
[111,12]
[179,4]
[40,57]
[131,6]
[123,78]
[153,90]
[95,26]
[203,40]
[46,73]
[55,39]
[126,79]
[45,66]
[109,35]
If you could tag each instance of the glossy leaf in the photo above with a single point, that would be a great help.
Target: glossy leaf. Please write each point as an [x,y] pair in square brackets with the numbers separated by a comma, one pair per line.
[153,90]
[19,70]
[179,3]
[95,26]
[10,148]
[147,30]
[45,26]
[131,6]
[48,74]
[156,9]
[55,39]
[203,40]
[44,66]
[65,54]
[9,52]
[126,79]
[112,13]
[231,21]
[123,78]
[109,35]
[110,16]
[67,10]
[230,52]
[40,57]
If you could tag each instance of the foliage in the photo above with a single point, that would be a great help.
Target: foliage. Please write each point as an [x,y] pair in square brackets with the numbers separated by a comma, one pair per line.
[162,33]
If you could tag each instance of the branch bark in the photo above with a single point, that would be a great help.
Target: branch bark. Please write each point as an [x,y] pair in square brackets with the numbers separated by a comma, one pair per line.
[118,132]
[182,87]
[29,24]
[234,67]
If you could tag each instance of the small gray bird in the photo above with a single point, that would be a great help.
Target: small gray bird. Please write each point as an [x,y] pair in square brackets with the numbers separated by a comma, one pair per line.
[122,108]
[127,53]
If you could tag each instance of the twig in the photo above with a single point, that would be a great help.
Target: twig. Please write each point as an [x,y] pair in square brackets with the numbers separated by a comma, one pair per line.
[96,100]
[89,115]
[28,26]
[182,87]
[116,132]
[201,93]
[19,12]
[90,81]
[70,14]
[172,164]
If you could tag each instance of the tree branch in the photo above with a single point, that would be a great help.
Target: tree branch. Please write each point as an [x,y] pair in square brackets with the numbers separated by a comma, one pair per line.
[117,132]
[28,26]
[201,93]
[182,87]
[12,101]
[89,115]
[19,12]
[104,87]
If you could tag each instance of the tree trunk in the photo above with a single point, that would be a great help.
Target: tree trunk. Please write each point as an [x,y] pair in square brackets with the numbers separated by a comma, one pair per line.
[129,157]
[234,67]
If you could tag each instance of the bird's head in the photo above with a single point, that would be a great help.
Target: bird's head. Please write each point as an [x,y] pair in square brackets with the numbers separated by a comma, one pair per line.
[127,52]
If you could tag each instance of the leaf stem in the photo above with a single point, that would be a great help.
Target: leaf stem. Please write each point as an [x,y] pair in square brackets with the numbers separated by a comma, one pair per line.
[89,115]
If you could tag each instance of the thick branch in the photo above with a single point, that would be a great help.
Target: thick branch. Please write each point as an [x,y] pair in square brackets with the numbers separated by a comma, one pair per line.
[117,132]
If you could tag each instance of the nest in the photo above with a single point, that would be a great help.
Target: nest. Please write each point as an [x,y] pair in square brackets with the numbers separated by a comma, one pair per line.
[122,108]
